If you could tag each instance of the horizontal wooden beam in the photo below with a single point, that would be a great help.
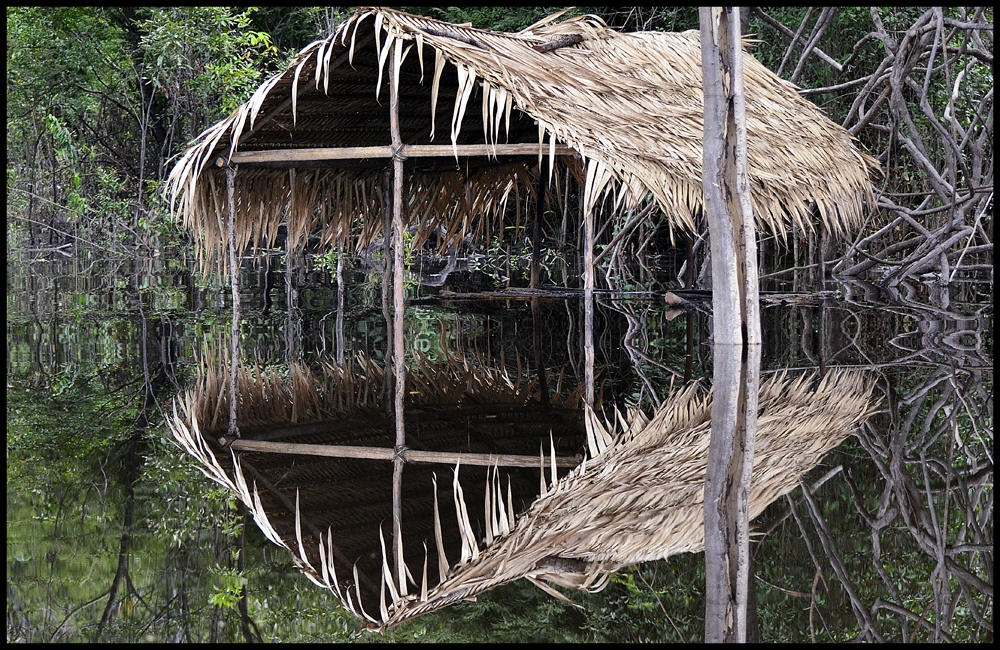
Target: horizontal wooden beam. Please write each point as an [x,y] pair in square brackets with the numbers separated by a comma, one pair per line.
[385,453]
[409,150]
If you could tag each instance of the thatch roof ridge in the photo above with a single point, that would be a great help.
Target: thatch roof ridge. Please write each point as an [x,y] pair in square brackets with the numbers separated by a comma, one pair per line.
[630,102]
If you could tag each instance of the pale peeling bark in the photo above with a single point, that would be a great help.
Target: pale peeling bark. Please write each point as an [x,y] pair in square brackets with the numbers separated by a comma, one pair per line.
[399,361]
[736,327]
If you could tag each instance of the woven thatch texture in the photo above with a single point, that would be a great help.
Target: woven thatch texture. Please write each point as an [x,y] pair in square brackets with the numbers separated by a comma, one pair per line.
[631,104]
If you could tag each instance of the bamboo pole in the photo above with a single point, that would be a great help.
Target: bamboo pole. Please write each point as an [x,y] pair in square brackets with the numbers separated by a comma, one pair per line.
[387,453]
[320,154]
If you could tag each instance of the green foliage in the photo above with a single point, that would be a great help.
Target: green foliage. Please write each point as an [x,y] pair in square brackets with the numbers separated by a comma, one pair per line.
[228,588]
[206,58]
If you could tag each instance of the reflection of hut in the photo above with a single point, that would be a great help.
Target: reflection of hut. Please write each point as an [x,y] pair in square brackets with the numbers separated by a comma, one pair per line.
[636,497]
[316,449]
[622,111]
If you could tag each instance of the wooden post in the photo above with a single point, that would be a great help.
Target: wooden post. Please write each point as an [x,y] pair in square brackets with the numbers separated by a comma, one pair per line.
[385,453]
[399,363]
[736,327]
[234,284]
[389,386]
[536,235]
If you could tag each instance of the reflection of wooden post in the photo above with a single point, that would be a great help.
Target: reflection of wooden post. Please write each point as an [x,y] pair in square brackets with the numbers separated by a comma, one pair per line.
[536,328]
[536,319]
[339,335]
[588,302]
[399,366]
[736,327]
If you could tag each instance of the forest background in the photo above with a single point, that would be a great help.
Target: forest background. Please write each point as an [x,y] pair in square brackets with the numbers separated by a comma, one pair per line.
[100,100]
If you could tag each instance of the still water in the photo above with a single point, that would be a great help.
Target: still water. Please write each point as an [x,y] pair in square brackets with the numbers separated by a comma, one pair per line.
[114,534]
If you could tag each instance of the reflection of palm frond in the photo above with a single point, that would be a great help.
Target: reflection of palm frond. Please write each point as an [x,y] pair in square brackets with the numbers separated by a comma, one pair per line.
[300,395]
[640,497]
[345,402]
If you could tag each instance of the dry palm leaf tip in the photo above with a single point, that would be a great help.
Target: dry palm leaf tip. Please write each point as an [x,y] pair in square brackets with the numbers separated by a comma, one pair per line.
[621,111]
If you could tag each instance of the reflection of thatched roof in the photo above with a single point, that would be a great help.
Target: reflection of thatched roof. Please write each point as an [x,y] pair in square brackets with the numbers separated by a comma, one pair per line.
[451,407]
[629,102]
[637,497]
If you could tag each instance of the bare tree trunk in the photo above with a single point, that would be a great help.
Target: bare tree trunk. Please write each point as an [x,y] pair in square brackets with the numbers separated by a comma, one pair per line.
[398,351]
[736,328]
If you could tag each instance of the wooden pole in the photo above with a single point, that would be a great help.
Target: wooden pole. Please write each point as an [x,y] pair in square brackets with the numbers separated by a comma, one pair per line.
[588,303]
[736,327]
[399,363]
[388,398]
[321,154]
[234,284]
[386,453]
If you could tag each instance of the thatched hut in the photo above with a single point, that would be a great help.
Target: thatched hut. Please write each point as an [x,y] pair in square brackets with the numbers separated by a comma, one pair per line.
[341,142]
[621,111]
[312,469]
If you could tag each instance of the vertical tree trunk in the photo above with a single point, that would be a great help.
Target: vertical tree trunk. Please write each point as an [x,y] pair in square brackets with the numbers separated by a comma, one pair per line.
[736,327]
[399,363]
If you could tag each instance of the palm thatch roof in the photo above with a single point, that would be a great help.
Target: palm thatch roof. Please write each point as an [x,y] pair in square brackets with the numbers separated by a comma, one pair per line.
[637,495]
[625,108]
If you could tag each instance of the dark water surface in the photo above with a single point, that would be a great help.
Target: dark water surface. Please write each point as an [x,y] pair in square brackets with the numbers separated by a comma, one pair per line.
[113,533]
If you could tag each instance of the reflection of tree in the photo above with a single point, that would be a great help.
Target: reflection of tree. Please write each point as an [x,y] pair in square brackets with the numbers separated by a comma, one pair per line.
[133,466]
[927,501]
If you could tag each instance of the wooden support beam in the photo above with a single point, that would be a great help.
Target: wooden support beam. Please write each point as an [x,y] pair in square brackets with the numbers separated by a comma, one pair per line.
[387,453]
[588,304]
[408,151]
